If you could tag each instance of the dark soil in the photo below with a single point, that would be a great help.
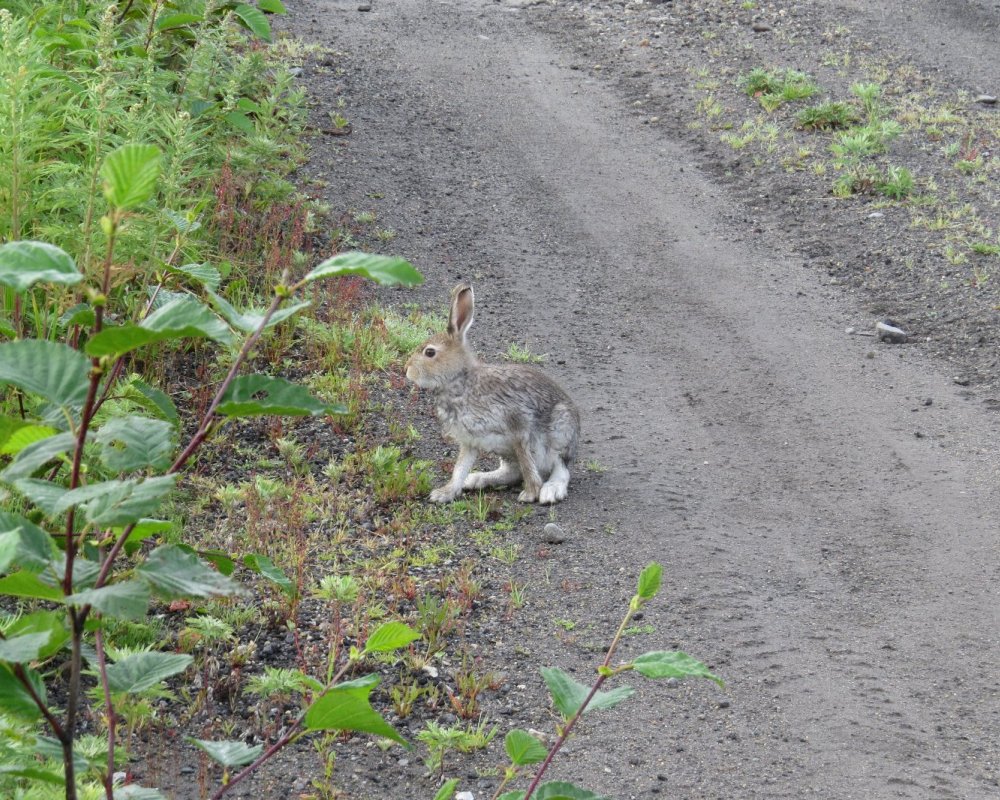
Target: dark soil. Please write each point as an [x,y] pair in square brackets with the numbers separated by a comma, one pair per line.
[823,503]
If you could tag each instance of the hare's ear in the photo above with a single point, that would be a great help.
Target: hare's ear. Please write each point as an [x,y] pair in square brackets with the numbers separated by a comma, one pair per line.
[463,305]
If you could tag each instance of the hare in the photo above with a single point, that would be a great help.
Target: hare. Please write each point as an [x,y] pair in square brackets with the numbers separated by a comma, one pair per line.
[511,410]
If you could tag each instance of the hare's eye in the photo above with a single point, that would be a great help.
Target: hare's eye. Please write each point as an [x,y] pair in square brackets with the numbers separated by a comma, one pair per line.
[430,352]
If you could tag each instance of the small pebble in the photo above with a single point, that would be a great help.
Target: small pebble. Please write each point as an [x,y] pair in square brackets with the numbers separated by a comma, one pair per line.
[365,7]
[553,533]
[987,99]
[888,331]
[761,27]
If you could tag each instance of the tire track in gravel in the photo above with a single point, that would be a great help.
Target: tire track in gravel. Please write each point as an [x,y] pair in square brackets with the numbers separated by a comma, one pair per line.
[837,569]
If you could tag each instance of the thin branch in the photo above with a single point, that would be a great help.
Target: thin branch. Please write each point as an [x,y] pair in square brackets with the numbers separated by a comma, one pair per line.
[57,730]
[209,418]
[109,709]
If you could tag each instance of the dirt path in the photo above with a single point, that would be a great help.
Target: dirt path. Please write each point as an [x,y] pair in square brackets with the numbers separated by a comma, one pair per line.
[824,505]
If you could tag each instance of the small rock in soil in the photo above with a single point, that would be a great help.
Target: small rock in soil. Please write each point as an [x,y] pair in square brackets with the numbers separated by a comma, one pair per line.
[761,27]
[365,7]
[987,99]
[888,331]
[553,534]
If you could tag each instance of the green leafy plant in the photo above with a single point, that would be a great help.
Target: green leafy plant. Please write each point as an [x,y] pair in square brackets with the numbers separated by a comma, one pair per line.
[828,116]
[774,88]
[85,510]
[897,183]
[573,699]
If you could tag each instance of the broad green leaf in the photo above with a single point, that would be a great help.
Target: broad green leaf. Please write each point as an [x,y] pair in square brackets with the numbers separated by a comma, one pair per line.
[186,313]
[173,572]
[28,584]
[32,774]
[143,530]
[171,21]
[649,581]
[10,543]
[15,699]
[568,695]
[50,623]
[141,671]
[523,748]
[24,648]
[44,494]
[253,20]
[561,790]
[130,174]
[272,6]
[24,263]
[51,370]
[246,104]
[122,600]
[203,274]
[390,636]
[37,455]
[447,790]
[385,270]
[10,426]
[85,572]
[674,664]
[229,754]
[240,122]
[262,565]
[220,560]
[50,748]
[23,435]
[184,223]
[182,317]
[133,442]
[81,314]
[346,708]
[256,395]
[249,321]
[151,400]
[117,502]
[33,547]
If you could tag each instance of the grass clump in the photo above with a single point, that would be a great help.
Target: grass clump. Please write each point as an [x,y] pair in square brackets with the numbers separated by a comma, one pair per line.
[774,88]
[829,116]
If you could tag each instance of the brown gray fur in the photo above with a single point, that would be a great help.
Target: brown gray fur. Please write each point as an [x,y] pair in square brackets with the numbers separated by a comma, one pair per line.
[511,410]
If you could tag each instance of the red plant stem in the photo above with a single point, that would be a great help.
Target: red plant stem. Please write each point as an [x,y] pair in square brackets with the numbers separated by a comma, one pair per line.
[57,729]
[250,768]
[284,740]
[109,787]
[209,418]
[199,437]
[601,677]
[563,736]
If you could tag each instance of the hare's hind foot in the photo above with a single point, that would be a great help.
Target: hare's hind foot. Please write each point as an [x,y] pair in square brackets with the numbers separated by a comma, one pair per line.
[557,486]
[504,475]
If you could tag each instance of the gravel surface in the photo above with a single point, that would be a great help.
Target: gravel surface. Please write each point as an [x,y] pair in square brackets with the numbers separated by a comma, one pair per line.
[823,502]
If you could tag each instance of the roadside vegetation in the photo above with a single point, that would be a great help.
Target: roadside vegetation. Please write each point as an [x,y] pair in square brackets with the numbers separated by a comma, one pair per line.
[214,519]
[867,129]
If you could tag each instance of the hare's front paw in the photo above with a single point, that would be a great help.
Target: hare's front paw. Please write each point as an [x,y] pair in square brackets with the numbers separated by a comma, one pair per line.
[445,494]
[552,493]
[528,496]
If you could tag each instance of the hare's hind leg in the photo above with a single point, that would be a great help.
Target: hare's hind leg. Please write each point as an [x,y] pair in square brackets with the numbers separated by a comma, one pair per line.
[530,478]
[557,486]
[507,473]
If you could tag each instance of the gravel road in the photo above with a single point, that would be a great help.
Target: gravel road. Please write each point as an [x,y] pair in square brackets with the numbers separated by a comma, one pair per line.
[825,506]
